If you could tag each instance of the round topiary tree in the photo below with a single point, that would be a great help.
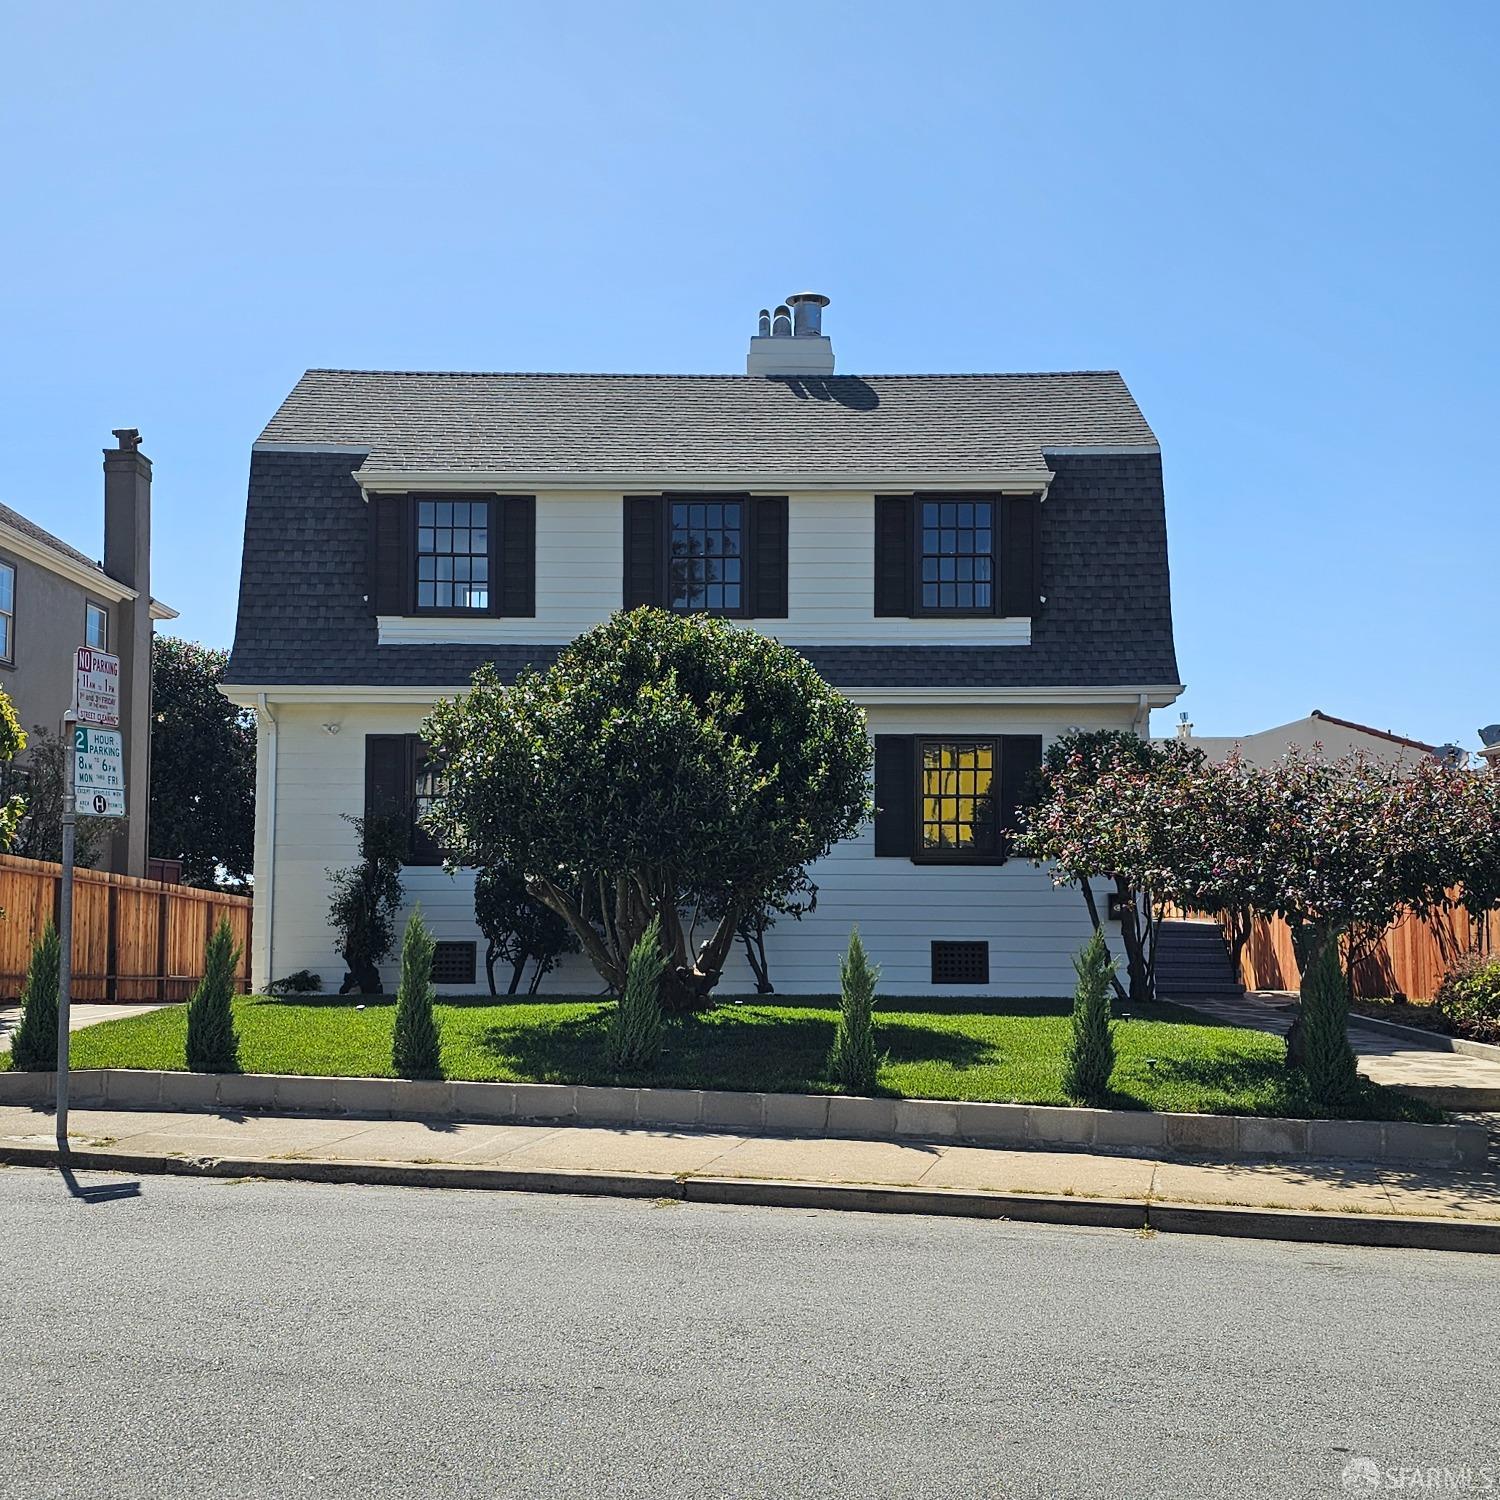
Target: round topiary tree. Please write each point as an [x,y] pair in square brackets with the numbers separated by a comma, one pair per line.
[664,762]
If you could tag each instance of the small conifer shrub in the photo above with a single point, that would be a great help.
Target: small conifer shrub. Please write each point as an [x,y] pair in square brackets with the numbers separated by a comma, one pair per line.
[852,1063]
[1090,1056]
[213,1045]
[416,1047]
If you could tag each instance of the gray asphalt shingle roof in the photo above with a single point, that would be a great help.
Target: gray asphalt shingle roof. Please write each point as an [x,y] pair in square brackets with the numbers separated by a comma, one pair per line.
[28,528]
[694,425]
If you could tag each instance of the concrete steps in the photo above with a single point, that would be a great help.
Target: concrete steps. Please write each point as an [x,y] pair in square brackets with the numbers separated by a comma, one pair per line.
[1192,959]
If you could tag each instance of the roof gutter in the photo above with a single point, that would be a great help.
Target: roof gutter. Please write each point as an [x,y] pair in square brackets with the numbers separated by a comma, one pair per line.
[1143,699]
[1020,482]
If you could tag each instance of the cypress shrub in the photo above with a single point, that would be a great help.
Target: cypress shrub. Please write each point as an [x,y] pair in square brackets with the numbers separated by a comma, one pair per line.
[1322,1051]
[213,1045]
[852,1063]
[33,1047]
[1090,1056]
[634,1040]
[416,1048]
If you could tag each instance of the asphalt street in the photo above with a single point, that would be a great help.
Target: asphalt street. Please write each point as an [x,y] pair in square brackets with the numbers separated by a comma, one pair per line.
[251,1339]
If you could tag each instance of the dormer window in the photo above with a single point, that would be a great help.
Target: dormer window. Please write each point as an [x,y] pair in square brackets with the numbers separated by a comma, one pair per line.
[453,556]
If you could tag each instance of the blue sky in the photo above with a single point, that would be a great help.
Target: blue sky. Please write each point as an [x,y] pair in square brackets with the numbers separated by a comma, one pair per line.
[1279,221]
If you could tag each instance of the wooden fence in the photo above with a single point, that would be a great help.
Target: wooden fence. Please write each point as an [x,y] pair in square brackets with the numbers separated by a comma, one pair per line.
[132,939]
[1411,959]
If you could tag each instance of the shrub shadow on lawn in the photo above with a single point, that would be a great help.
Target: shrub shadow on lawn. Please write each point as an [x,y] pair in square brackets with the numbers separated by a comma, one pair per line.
[724,1048]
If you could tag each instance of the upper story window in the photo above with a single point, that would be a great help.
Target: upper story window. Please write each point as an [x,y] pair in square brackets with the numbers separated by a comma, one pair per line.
[706,556]
[453,555]
[95,626]
[957,811]
[957,544]
[7,612]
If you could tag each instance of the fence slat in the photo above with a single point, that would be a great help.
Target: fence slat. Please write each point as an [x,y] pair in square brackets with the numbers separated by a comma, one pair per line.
[1410,960]
[133,939]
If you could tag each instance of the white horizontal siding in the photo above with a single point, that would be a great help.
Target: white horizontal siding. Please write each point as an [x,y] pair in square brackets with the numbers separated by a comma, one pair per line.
[1032,929]
[580,565]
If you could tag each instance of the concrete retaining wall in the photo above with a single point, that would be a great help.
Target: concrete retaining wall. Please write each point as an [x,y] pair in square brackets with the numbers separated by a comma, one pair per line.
[1224,1137]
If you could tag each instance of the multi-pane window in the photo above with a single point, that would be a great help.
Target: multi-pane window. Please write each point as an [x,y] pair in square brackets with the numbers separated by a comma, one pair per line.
[428,785]
[706,556]
[453,554]
[95,626]
[958,555]
[7,612]
[958,791]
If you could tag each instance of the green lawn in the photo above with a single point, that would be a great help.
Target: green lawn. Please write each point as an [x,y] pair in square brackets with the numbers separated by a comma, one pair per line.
[1168,1058]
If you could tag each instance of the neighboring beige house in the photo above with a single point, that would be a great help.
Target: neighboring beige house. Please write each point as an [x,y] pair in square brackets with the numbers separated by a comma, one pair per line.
[1335,736]
[54,598]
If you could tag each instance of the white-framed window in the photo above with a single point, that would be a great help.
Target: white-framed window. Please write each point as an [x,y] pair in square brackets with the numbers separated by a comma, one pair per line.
[95,626]
[7,612]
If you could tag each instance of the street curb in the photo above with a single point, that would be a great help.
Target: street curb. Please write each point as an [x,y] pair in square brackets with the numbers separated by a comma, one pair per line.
[1298,1225]
[1049,1127]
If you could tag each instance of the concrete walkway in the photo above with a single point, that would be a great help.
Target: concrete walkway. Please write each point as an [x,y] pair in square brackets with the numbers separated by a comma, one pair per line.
[1452,1080]
[672,1156]
[85,1014]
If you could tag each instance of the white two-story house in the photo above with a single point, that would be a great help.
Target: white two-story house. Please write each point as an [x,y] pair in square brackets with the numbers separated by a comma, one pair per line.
[978,561]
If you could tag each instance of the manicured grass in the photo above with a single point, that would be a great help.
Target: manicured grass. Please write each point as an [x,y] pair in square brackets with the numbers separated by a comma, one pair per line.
[1168,1058]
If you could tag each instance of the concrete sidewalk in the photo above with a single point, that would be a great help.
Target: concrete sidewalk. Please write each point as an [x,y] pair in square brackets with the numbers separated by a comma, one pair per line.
[669,1158]
[84,1013]
[1451,1080]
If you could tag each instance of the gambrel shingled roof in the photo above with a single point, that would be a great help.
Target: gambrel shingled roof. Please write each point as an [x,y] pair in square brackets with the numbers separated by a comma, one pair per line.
[705,425]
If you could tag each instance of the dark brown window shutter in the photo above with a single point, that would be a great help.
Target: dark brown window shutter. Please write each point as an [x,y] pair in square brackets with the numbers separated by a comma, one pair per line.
[513,555]
[1020,554]
[644,549]
[391,564]
[388,780]
[895,795]
[1020,760]
[768,560]
[893,555]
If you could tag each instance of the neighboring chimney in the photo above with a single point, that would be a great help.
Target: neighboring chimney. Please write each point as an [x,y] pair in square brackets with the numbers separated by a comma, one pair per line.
[127,558]
[1489,737]
[794,342]
[1184,727]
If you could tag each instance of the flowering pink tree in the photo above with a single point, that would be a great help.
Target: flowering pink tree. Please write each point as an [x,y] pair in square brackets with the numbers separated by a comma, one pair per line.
[1111,807]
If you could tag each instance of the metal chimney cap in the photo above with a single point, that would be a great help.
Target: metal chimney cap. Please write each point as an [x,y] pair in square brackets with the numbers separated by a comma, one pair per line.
[816,297]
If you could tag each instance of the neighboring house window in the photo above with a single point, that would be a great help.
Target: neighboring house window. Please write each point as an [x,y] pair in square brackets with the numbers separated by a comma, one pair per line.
[957,556]
[7,612]
[705,556]
[453,555]
[96,626]
[957,799]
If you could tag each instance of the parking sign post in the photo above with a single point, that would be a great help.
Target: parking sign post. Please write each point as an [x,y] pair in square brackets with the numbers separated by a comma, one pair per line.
[95,765]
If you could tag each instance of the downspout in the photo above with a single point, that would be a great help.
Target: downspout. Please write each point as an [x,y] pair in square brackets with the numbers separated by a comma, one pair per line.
[1141,724]
[263,708]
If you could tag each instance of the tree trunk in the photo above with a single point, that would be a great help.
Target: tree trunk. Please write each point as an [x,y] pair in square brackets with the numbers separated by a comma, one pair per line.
[517,969]
[489,967]
[1141,989]
[753,936]
[1093,907]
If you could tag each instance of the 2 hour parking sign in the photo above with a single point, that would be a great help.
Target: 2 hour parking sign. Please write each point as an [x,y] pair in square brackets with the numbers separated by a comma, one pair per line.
[99,771]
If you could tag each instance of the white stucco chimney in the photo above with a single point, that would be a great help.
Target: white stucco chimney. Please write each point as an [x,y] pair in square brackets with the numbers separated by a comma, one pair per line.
[793,342]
